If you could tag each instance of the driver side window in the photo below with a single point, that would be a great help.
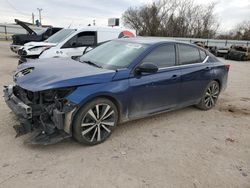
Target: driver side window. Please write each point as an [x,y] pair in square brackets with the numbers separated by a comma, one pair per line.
[163,56]
[83,39]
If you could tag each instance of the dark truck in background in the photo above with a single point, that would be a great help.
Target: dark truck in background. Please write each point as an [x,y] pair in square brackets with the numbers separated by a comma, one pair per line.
[239,53]
[32,36]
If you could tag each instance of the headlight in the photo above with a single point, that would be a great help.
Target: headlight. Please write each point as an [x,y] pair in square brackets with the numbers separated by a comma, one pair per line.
[39,48]
[52,94]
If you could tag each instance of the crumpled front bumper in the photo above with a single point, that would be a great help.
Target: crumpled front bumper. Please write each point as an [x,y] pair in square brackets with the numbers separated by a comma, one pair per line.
[47,132]
[15,104]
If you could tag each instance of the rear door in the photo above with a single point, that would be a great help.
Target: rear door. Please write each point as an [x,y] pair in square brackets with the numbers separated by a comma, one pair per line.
[151,93]
[196,73]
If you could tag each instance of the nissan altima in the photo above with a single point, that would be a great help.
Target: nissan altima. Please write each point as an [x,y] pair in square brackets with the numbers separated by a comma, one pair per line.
[118,81]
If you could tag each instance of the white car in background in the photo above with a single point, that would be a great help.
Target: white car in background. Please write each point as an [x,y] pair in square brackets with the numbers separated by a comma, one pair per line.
[72,42]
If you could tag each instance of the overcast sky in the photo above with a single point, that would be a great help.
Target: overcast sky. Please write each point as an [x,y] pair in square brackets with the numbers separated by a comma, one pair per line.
[82,12]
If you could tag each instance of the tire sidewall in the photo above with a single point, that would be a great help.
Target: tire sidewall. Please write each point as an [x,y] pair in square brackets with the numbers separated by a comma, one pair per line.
[202,105]
[77,130]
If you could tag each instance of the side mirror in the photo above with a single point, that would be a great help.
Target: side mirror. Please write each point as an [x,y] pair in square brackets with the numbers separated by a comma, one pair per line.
[146,68]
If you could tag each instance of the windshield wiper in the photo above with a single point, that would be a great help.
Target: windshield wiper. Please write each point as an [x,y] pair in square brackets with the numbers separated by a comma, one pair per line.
[92,63]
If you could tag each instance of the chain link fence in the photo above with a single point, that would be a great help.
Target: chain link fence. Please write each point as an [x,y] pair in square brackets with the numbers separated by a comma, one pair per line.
[6,31]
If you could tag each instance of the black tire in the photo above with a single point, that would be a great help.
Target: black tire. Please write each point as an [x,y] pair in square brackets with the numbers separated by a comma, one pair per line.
[243,58]
[210,96]
[95,121]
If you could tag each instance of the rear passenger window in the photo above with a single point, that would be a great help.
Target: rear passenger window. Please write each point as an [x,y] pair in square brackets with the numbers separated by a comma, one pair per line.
[188,54]
[163,56]
[203,55]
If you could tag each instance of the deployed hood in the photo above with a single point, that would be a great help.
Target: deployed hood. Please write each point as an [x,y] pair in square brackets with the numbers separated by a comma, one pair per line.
[26,27]
[52,73]
[39,44]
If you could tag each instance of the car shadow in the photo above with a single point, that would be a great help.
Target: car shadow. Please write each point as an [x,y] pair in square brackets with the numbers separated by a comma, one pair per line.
[121,130]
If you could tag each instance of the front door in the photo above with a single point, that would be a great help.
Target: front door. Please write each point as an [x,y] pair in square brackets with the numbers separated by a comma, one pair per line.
[152,93]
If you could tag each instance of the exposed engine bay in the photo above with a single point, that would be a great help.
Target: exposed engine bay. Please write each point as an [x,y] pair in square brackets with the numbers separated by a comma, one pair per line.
[43,111]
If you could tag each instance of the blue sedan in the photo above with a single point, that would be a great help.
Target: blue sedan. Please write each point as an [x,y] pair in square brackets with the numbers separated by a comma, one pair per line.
[118,81]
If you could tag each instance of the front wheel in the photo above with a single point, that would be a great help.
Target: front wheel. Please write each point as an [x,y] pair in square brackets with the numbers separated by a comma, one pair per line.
[95,122]
[210,96]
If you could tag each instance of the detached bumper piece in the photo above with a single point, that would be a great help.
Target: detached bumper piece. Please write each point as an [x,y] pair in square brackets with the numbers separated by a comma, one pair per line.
[41,138]
[47,128]
[22,60]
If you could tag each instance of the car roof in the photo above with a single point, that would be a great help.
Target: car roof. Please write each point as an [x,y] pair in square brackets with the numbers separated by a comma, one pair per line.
[150,40]
[95,28]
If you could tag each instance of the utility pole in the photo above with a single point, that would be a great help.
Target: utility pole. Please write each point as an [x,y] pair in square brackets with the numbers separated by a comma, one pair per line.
[33,18]
[40,15]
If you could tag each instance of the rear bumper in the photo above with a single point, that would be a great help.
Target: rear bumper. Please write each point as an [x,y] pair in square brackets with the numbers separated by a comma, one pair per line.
[16,105]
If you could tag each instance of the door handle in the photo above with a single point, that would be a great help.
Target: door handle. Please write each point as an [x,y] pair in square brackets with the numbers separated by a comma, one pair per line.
[174,77]
[208,68]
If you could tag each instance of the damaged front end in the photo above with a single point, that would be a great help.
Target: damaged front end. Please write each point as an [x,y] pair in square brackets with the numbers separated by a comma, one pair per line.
[47,113]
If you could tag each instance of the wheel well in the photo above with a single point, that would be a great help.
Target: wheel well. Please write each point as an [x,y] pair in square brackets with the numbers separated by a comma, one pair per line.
[217,80]
[112,99]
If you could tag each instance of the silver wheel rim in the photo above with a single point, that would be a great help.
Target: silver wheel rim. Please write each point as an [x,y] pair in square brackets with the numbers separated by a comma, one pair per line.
[98,122]
[211,95]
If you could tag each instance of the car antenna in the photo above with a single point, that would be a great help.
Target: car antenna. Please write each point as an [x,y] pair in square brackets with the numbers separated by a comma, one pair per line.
[70,25]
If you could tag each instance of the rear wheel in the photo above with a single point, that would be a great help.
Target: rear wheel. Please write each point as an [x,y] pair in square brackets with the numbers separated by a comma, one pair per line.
[210,96]
[95,121]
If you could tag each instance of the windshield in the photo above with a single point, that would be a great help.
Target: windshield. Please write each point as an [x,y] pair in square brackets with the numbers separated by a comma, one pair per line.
[60,35]
[114,54]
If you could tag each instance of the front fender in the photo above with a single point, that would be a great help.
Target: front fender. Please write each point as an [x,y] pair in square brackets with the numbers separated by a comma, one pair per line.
[116,90]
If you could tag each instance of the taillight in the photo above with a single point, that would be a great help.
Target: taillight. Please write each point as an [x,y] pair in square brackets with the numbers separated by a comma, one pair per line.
[227,67]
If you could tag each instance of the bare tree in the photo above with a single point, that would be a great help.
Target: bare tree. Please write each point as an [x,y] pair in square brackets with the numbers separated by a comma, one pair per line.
[240,32]
[182,18]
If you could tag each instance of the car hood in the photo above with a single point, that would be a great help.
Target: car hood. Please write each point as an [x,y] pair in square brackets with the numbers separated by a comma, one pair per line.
[52,73]
[32,44]
[25,26]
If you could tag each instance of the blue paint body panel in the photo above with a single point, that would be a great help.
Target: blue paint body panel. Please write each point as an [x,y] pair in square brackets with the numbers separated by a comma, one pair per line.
[136,96]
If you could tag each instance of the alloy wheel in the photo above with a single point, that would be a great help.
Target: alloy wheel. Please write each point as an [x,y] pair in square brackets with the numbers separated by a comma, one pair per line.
[98,123]
[211,95]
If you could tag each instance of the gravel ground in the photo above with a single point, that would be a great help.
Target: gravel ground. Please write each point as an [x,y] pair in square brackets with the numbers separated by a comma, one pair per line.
[185,148]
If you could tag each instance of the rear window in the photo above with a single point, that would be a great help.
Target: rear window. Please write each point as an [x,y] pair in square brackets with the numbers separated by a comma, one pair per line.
[203,55]
[188,54]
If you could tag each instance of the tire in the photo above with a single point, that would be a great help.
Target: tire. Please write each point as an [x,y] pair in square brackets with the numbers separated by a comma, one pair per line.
[243,58]
[210,96]
[95,121]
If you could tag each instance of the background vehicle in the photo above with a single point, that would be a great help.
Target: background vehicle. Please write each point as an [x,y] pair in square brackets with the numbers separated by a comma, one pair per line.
[20,39]
[240,53]
[221,51]
[72,42]
[118,81]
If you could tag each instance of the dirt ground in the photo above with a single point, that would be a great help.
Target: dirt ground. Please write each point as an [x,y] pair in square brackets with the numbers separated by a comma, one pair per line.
[185,148]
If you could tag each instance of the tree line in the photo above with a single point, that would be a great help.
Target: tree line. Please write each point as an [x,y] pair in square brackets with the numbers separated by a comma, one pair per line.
[178,18]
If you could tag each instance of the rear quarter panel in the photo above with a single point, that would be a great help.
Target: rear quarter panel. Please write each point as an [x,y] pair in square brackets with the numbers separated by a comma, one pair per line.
[220,72]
